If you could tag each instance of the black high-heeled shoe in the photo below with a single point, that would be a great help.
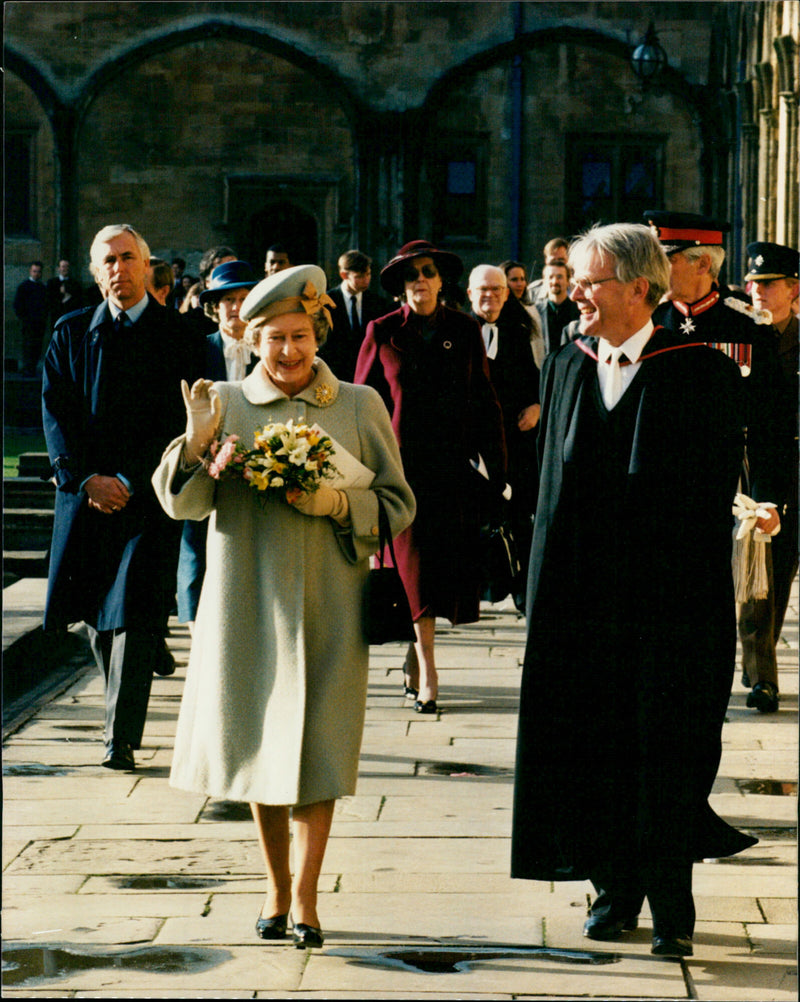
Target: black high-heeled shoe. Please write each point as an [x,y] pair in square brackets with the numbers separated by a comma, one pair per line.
[429,706]
[409,691]
[272,928]
[307,936]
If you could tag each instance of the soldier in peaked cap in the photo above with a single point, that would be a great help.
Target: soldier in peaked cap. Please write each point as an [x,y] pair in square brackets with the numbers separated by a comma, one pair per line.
[704,310]
[772,278]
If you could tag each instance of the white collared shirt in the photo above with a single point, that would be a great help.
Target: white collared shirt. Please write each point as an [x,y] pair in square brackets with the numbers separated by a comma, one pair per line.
[133,313]
[632,349]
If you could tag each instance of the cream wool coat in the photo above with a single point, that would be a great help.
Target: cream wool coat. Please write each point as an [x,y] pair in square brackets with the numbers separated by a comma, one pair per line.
[275,693]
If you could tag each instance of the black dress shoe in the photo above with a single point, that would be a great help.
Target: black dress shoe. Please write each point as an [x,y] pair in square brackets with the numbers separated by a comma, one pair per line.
[429,706]
[165,663]
[307,936]
[119,755]
[672,946]
[763,697]
[597,927]
[272,928]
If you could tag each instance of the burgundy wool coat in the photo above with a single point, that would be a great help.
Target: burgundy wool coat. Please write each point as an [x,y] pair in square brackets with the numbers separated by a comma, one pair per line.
[445,413]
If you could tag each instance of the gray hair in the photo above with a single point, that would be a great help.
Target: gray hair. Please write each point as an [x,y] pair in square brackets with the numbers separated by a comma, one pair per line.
[108,233]
[487,267]
[715,253]
[635,251]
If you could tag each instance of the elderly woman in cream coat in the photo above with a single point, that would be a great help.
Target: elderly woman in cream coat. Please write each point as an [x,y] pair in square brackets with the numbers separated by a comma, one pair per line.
[273,708]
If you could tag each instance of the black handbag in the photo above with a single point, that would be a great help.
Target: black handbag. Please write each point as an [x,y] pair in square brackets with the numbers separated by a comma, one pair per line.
[500,568]
[386,614]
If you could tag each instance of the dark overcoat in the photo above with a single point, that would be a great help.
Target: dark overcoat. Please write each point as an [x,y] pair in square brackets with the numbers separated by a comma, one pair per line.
[628,664]
[444,413]
[111,402]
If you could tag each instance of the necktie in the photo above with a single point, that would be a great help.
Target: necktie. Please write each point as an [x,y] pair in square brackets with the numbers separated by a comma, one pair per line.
[355,324]
[490,340]
[120,322]
[613,388]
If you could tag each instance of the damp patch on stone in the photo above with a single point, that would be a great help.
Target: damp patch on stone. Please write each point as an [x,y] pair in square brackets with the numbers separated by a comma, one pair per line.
[461,769]
[31,965]
[227,810]
[34,769]
[768,787]
[446,960]
[166,882]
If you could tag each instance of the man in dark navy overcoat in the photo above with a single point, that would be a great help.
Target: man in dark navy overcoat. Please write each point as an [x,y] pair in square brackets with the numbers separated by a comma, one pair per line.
[631,620]
[111,403]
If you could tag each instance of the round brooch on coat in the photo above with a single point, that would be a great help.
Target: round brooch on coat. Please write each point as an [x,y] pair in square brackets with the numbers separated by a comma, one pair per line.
[324,394]
[447,344]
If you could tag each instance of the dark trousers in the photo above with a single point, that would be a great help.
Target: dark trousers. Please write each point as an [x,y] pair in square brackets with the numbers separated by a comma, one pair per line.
[761,620]
[667,885]
[127,659]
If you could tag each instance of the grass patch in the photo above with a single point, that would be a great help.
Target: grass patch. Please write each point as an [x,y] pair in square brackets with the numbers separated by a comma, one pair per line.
[17,442]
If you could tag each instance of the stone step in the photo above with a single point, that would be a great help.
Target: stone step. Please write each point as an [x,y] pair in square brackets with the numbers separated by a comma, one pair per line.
[26,563]
[22,404]
[28,492]
[27,528]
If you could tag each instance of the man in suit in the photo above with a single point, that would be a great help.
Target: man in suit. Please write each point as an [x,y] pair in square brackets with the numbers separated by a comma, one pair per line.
[625,686]
[277,259]
[773,277]
[355,306]
[556,309]
[30,305]
[64,293]
[506,335]
[555,251]
[111,402]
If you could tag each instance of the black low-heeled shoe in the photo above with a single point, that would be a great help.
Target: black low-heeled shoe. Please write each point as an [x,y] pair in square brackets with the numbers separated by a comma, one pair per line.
[272,928]
[307,936]
[427,707]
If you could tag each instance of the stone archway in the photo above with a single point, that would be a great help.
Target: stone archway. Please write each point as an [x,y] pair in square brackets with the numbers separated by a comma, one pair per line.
[168,171]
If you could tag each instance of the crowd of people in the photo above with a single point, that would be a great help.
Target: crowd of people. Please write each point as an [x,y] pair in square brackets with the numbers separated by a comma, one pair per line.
[606,413]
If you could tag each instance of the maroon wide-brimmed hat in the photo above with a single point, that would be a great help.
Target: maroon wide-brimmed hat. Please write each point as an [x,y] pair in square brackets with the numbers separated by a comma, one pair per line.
[449,265]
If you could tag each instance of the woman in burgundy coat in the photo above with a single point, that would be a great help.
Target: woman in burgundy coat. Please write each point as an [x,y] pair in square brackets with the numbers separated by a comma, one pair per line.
[428,362]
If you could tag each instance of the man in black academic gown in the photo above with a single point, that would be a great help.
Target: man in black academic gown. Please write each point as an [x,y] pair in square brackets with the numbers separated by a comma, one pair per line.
[617,752]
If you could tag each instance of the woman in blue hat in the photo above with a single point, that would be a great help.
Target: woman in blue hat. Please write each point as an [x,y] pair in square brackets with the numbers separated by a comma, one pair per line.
[229,358]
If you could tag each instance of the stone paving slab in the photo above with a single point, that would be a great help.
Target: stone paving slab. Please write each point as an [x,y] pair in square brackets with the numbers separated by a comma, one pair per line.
[515,975]
[417,866]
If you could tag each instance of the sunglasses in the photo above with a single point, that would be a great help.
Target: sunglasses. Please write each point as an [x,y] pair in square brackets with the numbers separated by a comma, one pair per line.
[411,274]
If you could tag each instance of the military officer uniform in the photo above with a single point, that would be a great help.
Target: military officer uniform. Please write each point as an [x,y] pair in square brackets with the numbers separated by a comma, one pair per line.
[761,620]
[727,321]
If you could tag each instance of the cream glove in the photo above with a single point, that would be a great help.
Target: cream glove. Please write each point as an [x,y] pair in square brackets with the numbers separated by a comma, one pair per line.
[325,501]
[203,409]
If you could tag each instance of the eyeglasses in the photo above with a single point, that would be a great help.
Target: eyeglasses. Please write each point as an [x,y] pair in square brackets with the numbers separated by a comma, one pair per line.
[589,283]
[411,274]
[495,290]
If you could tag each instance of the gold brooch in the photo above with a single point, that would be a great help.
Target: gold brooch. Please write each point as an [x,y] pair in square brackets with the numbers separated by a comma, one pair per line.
[324,394]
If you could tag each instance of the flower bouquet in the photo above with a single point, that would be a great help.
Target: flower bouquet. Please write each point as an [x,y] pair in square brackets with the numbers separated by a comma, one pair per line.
[289,459]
